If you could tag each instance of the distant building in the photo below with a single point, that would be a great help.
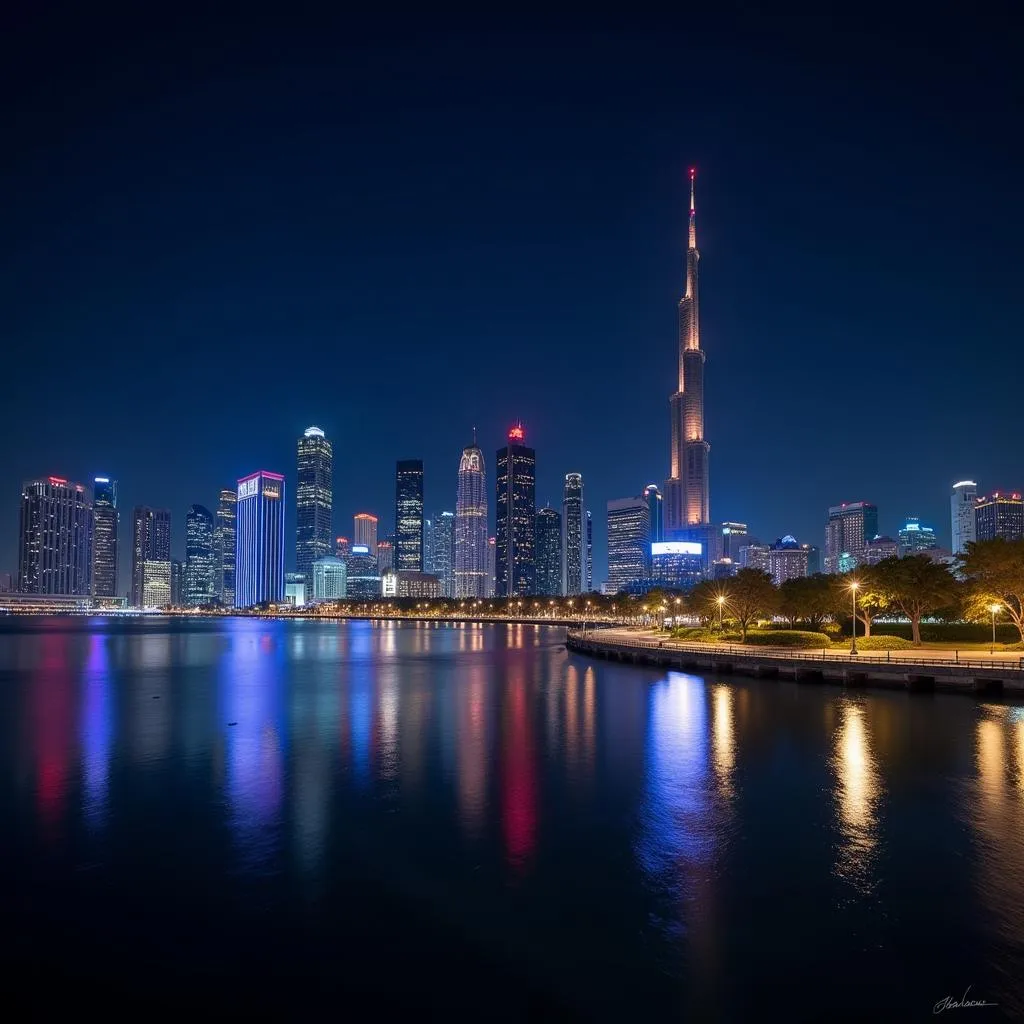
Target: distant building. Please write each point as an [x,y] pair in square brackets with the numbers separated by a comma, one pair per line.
[515,516]
[421,585]
[225,541]
[161,583]
[6,583]
[105,520]
[330,579]
[787,560]
[295,588]
[428,546]
[915,537]
[728,538]
[961,504]
[674,563]
[723,568]
[365,531]
[590,552]
[656,510]
[151,542]
[470,570]
[444,552]
[574,537]
[876,549]
[259,546]
[629,543]
[1000,514]
[756,556]
[314,500]
[491,583]
[55,538]
[850,526]
[813,559]
[385,555]
[409,515]
[201,568]
[548,534]
[363,576]
[342,547]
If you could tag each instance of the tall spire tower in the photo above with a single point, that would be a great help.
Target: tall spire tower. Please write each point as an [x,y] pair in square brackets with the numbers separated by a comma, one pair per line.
[686,490]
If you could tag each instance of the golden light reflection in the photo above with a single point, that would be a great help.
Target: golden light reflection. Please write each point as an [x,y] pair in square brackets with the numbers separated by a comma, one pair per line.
[472,753]
[857,792]
[723,738]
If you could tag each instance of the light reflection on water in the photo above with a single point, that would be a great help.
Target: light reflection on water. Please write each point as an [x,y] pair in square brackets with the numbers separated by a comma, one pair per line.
[692,820]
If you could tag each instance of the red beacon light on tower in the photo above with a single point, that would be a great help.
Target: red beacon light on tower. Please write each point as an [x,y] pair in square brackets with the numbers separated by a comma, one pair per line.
[517,433]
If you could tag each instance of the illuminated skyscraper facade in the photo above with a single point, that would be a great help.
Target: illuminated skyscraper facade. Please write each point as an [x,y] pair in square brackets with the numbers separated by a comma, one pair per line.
[590,552]
[491,585]
[364,527]
[471,525]
[574,536]
[151,542]
[916,537]
[961,503]
[54,538]
[224,543]
[409,515]
[201,562]
[548,536]
[314,502]
[655,506]
[104,537]
[515,516]
[259,546]
[999,515]
[687,501]
[629,542]
[444,552]
[850,526]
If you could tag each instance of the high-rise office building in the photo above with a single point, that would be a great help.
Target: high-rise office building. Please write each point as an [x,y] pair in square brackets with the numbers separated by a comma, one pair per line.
[787,560]
[1000,514]
[548,535]
[850,526]
[330,575]
[728,538]
[428,546]
[385,554]
[314,501]
[813,559]
[491,583]
[574,536]
[363,575]
[471,525]
[105,518]
[686,491]
[161,583]
[259,547]
[655,505]
[151,542]
[756,556]
[409,515]
[55,538]
[201,563]
[875,550]
[916,537]
[590,553]
[629,542]
[961,504]
[342,547]
[444,552]
[224,544]
[515,516]
[364,531]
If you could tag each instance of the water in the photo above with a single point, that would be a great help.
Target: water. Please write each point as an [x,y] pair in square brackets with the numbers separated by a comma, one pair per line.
[284,815]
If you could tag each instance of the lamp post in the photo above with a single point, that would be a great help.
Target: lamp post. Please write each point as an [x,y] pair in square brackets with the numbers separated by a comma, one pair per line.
[853,592]
[721,601]
[993,608]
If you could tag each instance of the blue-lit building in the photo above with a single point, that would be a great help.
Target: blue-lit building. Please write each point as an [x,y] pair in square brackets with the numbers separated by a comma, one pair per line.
[915,537]
[363,578]
[259,545]
[677,563]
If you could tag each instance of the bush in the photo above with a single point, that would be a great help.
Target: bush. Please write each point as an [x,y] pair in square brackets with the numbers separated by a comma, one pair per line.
[697,634]
[943,632]
[786,638]
[878,643]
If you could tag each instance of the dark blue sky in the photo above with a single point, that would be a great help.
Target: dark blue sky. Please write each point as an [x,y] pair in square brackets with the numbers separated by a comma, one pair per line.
[220,230]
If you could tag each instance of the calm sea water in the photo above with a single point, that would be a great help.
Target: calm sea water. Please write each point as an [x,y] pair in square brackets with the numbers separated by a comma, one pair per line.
[290,815]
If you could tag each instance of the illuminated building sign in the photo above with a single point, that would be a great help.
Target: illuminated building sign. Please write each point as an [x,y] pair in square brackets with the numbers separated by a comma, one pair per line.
[676,547]
[516,433]
[271,490]
[360,549]
[247,488]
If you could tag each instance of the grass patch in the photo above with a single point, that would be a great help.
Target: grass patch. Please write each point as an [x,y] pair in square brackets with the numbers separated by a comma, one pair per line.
[697,634]
[878,643]
[786,638]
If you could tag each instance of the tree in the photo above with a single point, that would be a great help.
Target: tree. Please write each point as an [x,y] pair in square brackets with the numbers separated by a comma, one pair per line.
[806,599]
[751,594]
[994,571]
[916,586]
[702,600]
[870,602]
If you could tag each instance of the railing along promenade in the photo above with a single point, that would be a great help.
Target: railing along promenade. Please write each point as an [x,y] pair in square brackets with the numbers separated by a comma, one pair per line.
[909,669]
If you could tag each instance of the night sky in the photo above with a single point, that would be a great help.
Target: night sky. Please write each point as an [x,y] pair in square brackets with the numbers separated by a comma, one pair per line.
[220,230]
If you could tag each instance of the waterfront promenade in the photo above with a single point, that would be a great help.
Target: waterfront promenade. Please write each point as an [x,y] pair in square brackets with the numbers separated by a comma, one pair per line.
[966,672]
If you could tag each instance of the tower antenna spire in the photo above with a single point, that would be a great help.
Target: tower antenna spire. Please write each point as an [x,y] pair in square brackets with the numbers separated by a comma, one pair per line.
[693,210]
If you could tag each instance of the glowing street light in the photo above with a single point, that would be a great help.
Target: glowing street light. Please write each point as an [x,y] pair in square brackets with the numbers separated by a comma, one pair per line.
[853,591]
[993,608]
[721,601]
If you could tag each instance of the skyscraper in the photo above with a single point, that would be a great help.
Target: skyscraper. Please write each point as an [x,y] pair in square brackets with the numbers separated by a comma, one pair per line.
[548,535]
[655,506]
[314,502]
[385,554]
[961,504]
[574,536]
[224,543]
[590,552]
[916,536]
[787,560]
[330,576]
[365,531]
[151,542]
[686,491]
[409,515]
[444,552]
[259,546]
[629,542]
[850,526]
[201,563]
[491,582]
[428,546]
[362,580]
[55,538]
[104,537]
[471,525]
[1000,514]
[515,516]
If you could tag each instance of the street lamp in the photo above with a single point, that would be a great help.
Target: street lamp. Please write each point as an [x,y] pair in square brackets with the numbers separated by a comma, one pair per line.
[853,591]
[993,608]
[721,601]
